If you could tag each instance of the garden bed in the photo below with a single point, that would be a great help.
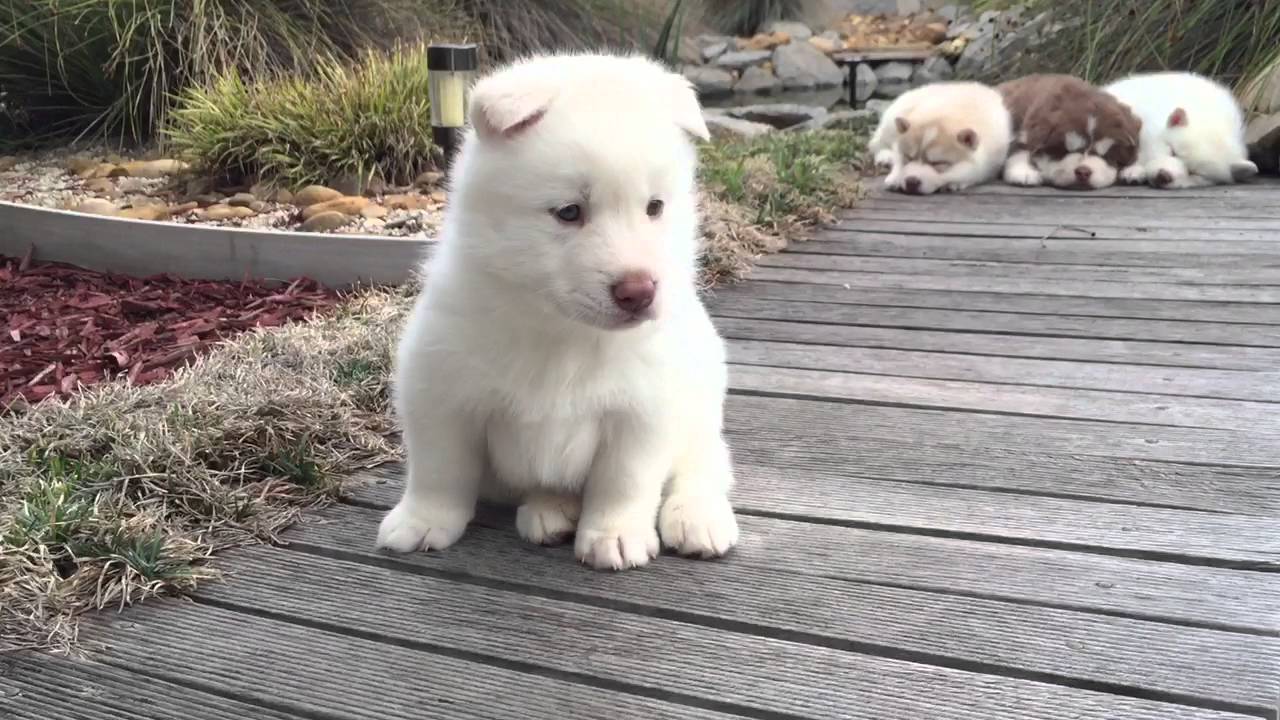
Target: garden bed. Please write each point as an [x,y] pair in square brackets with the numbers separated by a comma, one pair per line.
[67,327]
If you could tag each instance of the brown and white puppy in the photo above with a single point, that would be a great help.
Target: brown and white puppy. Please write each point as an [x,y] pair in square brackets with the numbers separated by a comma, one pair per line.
[1067,133]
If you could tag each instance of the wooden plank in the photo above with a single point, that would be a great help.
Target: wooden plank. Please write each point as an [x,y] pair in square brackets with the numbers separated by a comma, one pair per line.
[1022,286]
[988,321]
[1199,596]
[139,247]
[41,687]
[678,652]
[1128,253]
[1208,224]
[1136,408]
[321,674]
[882,55]
[1256,187]
[817,422]
[835,613]
[1192,382]
[1030,304]
[1041,230]
[1129,352]
[1230,208]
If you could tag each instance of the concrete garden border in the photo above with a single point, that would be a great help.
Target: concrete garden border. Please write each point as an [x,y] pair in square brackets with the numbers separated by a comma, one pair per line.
[142,247]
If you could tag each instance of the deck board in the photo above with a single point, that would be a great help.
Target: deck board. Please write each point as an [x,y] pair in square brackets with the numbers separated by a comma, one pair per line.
[1007,455]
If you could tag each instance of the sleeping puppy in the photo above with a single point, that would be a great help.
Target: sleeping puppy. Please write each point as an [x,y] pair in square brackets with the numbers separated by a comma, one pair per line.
[944,136]
[1067,133]
[1192,134]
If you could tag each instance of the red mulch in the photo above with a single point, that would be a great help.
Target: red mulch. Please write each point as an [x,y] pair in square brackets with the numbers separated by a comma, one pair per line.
[65,326]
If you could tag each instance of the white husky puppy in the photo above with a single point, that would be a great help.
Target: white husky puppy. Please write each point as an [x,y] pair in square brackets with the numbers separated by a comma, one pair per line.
[1192,131]
[559,355]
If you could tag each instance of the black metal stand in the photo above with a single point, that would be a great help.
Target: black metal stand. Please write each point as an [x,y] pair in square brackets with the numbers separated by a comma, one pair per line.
[447,139]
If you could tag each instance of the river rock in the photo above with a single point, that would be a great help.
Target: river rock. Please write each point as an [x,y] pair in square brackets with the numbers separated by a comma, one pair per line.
[739,59]
[314,194]
[325,222]
[227,212]
[864,82]
[97,206]
[709,81]
[348,205]
[757,79]
[801,66]
[795,30]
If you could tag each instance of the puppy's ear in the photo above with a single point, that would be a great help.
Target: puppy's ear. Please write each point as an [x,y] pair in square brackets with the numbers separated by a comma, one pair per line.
[968,138]
[687,110]
[1243,170]
[902,124]
[506,105]
[1178,118]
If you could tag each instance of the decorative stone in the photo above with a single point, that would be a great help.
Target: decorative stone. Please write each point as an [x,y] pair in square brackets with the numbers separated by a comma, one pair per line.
[243,199]
[430,178]
[763,41]
[313,194]
[352,184]
[723,126]
[795,30]
[348,205]
[802,66]
[7,163]
[739,59]
[778,115]
[100,185]
[227,212]
[324,222]
[153,168]
[864,82]
[709,81]
[207,199]
[713,51]
[825,45]
[950,13]
[373,211]
[97,206]
[404,202]
[757,80]
[145,212]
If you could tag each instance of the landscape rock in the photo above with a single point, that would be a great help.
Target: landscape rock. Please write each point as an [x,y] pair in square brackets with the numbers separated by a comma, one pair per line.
[893,78]
[739,59]
[713,51]
[347,205]
[803,66]
[325,222]
[242,199]
[314,194]
[795,30]
[8,162]
[430,178]
[763,41]
[877,106]
[97,206]
[357,185]
[102,186]
[757,79]
[405,202]
[439,196]
[207,199]
[874,7]
[227,212]
[826,46]
[864,82]
[282,196]
[96,170]
[153,168]
[950,13]
[145,212]
[778,115]
[725,126]
[709,81]
[374,211]
[935,69]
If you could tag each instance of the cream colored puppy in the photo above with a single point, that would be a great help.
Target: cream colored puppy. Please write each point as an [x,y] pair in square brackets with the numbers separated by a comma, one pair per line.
[559,355]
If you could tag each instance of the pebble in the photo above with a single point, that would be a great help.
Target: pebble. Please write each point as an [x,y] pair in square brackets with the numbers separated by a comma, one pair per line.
[227,212]
[349,205]
[325,222]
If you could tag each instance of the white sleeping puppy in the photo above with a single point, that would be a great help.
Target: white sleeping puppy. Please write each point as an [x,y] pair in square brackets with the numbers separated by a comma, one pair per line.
[559,355]
[1192,131]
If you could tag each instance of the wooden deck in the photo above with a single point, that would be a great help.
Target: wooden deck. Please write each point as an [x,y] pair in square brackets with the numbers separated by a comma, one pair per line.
[1007,455]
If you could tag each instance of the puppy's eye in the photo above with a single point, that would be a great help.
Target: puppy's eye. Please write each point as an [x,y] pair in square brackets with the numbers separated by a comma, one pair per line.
[568,214]
[654,208]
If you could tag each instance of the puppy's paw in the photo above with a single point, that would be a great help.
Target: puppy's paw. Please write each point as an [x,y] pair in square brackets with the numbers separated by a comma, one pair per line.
[617,548]
[411,526]
[894,181]
[1133,175]
[884,160]
[698,525]
[548,519]
[1023,175]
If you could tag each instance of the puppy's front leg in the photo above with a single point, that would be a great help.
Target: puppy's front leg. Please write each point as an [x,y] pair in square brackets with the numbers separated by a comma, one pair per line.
[1018,170]
[446,462]
[696,517]
[620,501]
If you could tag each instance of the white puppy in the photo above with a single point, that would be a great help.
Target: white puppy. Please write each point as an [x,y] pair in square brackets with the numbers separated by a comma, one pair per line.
[944,136]
[1192,131]
[559,355]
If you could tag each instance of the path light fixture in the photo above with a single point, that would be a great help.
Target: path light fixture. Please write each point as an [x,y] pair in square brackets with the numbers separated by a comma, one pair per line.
[450,71]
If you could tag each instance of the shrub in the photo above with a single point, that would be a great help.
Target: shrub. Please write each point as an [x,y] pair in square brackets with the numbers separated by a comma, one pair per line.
[1102,40]
[370,119]
[109,68]
[747,17]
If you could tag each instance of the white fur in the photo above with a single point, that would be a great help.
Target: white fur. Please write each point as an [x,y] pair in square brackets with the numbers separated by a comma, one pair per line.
[973,105]
[1064,173]
[1208,149]
[517,376]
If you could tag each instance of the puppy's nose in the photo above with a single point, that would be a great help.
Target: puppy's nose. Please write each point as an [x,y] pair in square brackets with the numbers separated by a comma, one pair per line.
[1162,178]
[635,291]
[1083,174]
[912,184]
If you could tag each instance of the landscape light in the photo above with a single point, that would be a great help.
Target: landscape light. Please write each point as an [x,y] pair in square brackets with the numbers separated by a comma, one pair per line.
[450,70]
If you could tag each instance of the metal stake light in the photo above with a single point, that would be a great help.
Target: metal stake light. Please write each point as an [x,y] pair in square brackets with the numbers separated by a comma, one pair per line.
[450,70]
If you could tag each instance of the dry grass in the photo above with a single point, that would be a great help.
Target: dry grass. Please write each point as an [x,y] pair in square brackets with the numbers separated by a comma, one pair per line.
[123,493]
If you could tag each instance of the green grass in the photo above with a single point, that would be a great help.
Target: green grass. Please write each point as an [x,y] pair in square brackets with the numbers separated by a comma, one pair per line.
[109,68]
[765,191]
[365,120]
[1103,39]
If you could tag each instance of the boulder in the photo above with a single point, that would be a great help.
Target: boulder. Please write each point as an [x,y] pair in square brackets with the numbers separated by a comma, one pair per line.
[864,82]
[757,79]
[894,78]
[801,66]
[739,59]
[795,30]
[709,81]
[314,194]
[935,69]
[713,51]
